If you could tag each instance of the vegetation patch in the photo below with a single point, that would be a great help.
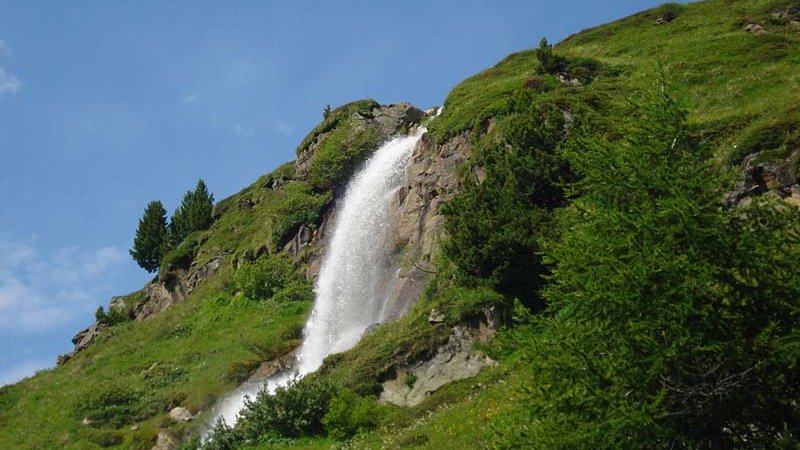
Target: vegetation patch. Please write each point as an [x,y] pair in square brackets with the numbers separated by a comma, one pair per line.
[341,151]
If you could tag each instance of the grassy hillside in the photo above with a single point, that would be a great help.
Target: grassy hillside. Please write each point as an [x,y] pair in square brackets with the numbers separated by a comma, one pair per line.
[742,91]
[188,355]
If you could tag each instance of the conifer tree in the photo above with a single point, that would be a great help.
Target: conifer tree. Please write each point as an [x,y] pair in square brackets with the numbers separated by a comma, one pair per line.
[673,320]
[193,214]
[151,237]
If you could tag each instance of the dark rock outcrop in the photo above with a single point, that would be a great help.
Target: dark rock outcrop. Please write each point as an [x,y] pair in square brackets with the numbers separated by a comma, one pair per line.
[759,176]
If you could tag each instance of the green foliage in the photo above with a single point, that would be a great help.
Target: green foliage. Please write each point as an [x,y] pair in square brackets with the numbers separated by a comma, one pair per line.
[668,11]
[669,315]
[550,62]
[332,120]
[194,214]
[494,226]
[182,255]
[340,153]
[273,276]
[780,134]
[292,411]
[582,68]
[113,317]
[299,206]
[460,303]
[349,414]
[110,404]
[151,237]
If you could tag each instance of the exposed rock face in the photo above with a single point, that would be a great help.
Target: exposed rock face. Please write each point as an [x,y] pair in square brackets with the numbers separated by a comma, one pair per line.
[160,295]
[273,366]
[85,337]
[754,28]
[166,441]
[416,218]
[81,341]
[180,414]
[455,360]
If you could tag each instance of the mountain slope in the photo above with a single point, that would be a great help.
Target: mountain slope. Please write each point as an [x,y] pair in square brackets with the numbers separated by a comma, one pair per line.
[733,63]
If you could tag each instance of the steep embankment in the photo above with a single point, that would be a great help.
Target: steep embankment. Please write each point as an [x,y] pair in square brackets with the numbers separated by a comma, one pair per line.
[734,63]
[190,335]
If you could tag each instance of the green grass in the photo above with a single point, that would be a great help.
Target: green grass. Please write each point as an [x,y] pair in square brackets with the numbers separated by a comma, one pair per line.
[335,117]
[726,76]
[189,355]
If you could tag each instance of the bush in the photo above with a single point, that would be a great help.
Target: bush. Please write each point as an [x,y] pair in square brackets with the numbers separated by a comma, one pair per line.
[335,117]
[113,317]
[299,206]
[341,152]
[182,255]
[549,62]
[668,11]
[273,276]
[349,414]
[293,411]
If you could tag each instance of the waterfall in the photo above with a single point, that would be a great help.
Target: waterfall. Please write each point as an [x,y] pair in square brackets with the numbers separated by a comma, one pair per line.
[356,273]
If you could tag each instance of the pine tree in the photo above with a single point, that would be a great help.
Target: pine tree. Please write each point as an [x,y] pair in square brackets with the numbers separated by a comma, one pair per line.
[151,237]
[194,213]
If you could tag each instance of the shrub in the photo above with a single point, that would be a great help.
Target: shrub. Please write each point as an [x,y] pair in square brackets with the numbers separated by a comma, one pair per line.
[182,255]
[293,411]
[349,414]
[668,11]
[271,275]
[549,62]
[113,317]
[340,153]
[299,206]
[335,117]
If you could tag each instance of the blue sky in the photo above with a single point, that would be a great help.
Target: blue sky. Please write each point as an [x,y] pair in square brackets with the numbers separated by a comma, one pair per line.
[105,106]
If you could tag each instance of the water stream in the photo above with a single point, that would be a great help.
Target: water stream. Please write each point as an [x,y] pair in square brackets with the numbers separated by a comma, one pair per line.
[356,273]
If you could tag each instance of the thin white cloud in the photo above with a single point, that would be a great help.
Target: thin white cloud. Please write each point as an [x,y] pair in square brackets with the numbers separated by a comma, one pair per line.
[8,82]
[5,49]
[39,292]
[280,126]
[243,131]
[190,98]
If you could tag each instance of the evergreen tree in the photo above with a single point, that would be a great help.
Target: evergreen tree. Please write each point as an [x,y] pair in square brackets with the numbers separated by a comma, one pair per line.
[151,237]
[673,321]
[194,214]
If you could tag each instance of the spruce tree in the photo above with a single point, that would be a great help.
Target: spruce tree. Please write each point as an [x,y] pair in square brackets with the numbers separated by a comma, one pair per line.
[151,237]
[194,213]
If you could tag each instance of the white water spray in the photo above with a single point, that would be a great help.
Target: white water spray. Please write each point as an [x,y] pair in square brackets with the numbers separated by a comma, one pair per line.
[356,273]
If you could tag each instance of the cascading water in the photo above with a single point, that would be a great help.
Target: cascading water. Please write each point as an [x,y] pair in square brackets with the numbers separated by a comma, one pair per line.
[356,273]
